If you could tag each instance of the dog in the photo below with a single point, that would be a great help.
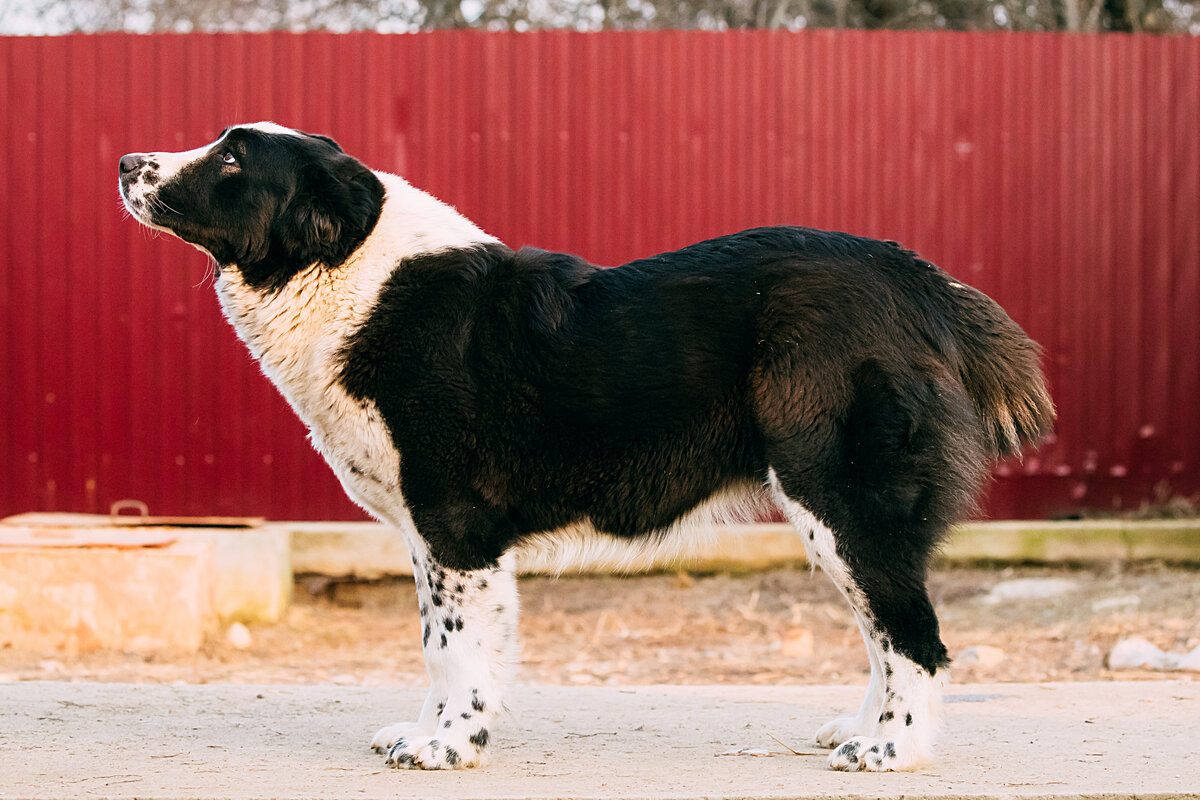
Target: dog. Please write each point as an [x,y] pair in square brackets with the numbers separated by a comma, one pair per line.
[484,401]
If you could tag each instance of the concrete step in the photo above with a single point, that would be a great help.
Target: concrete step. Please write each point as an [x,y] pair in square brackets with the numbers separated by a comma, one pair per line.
[250,568]
[369,550]
[101,741]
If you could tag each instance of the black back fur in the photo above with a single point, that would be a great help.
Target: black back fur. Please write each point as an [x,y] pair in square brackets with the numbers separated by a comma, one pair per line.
[527,390]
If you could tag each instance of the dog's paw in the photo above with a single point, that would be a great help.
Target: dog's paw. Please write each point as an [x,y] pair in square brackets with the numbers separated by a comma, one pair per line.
[386,738]
[427,752]
[842,729]
[875,755]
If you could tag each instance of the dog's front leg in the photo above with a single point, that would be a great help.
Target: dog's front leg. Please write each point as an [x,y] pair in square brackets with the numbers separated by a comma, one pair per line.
[469,635]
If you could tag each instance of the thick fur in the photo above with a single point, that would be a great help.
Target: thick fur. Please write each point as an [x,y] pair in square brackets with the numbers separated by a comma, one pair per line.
[494,399]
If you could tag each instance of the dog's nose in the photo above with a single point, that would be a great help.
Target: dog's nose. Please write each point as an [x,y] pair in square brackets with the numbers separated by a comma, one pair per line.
[131,162]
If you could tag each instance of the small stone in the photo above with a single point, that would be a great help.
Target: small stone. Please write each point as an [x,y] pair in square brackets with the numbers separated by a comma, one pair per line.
[1191,662]
[746,751]
[1123,601]
[797,643]
[238,636]
[1135,652]
[1029,589]
[981,655]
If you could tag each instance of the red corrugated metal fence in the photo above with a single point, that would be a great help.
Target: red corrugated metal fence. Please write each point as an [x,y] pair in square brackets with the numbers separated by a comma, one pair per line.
[1060,174]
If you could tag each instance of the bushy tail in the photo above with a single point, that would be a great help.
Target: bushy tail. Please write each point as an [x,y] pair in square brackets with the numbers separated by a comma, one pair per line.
[1001,368]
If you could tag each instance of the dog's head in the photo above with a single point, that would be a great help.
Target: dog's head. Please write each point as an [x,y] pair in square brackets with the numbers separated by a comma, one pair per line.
[263,199]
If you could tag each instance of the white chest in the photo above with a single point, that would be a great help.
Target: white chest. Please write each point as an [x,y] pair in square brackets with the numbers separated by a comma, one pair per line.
[299,332]
[297,335]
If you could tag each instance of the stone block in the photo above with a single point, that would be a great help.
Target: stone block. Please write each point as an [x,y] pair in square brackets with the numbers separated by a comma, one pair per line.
[72,599]
[252,579]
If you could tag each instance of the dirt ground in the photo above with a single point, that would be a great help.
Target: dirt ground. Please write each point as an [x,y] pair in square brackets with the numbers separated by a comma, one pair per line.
[782,627]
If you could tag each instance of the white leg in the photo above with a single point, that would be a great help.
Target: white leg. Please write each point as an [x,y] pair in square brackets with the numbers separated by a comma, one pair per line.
[904,733]
[836,731]
[435,701]
[469,631]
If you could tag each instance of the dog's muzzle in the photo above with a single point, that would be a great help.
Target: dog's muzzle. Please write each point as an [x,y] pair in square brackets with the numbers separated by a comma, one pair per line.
[137,175]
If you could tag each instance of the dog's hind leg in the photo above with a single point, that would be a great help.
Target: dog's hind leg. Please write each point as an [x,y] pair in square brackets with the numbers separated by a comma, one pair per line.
[469,636]
[895,727]
[836,731]
[872,490]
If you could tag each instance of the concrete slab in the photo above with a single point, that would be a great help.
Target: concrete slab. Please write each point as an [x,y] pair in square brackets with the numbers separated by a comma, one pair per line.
[251,566]
[100,741]
[369,550]
[83,598]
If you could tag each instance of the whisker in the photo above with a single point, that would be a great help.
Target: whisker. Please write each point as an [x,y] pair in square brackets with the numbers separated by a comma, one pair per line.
[164,204]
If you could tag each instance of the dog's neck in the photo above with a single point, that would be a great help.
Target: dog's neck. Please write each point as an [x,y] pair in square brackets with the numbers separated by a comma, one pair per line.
[296,331]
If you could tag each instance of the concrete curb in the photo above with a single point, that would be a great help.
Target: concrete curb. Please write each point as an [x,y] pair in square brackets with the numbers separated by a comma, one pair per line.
[252,574]
[223,742]
[370,551]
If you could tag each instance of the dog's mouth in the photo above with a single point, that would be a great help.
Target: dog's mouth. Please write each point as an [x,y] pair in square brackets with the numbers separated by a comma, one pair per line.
[144,205]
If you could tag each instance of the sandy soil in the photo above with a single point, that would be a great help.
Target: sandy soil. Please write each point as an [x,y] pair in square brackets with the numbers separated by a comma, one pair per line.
[781,627]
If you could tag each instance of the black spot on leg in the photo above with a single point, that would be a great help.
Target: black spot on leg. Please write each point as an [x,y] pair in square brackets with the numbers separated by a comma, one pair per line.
[889,749]
[886,716]
[451,756]
[908,719]
[483,584]
[424,609]
[476,703]
[480,739]
[449,623]
[443,641]
[437,599]
[811,536]
[887,669]
[425,637]
[459,588]
[458,624]
[447,723]
[465,715]
[441,707]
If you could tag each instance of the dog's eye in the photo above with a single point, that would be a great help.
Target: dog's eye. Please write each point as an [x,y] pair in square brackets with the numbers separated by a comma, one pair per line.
[228,157]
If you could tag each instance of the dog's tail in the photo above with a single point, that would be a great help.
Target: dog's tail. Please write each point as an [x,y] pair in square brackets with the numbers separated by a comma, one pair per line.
[1000,366]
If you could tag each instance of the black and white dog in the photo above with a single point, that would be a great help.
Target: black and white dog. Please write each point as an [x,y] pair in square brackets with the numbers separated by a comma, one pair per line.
[484,400]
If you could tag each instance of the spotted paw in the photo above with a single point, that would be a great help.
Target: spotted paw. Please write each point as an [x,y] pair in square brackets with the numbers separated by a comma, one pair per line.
[834,732]
[427,752]
[874,755]
[386,738]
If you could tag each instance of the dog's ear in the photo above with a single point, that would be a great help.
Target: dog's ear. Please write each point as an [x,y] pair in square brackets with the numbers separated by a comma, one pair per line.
[335,206]
[324,139]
